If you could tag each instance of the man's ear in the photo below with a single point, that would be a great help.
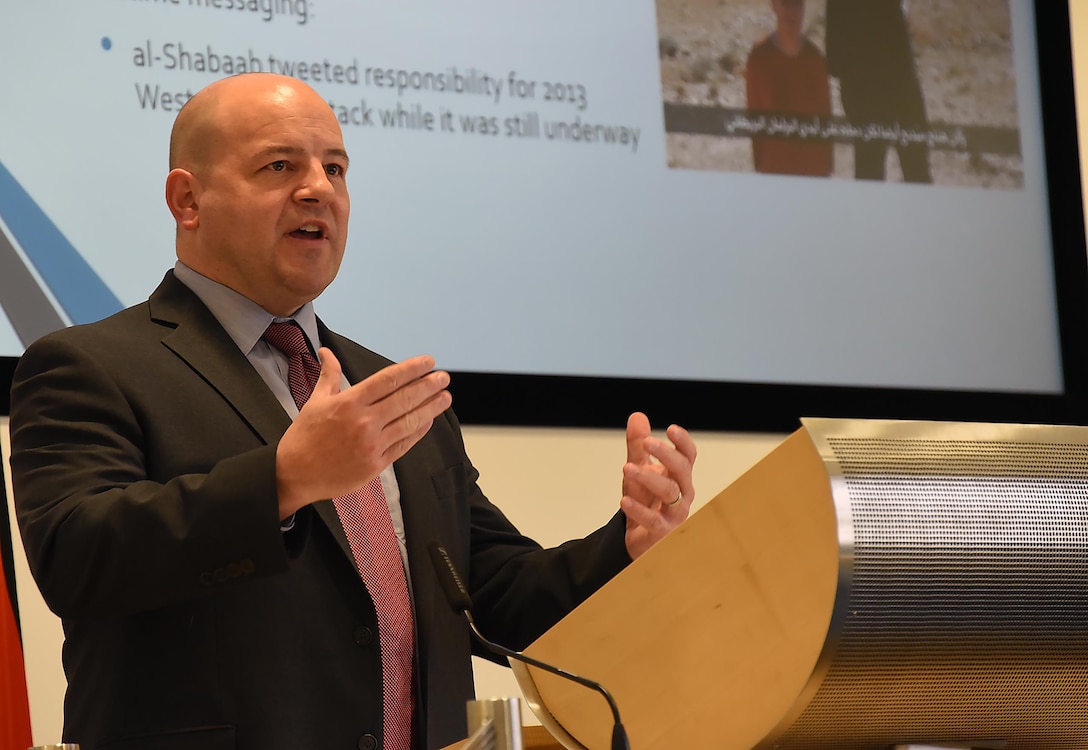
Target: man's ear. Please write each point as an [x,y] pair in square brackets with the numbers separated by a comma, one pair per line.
[182,191]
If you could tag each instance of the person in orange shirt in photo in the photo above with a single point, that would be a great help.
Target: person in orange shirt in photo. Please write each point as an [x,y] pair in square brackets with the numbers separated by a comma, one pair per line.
[787,75]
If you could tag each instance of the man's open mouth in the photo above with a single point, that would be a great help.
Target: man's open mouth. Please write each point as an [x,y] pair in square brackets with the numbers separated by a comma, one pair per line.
[308,232]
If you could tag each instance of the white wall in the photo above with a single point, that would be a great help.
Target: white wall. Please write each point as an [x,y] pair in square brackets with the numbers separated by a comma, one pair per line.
[553,483]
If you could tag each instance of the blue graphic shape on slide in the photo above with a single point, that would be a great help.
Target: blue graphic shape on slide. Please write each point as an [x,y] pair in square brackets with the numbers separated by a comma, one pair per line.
[79,291]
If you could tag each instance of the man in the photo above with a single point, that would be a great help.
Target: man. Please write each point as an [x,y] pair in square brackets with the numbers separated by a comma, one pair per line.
[786,75]
[869,50]
[177,518]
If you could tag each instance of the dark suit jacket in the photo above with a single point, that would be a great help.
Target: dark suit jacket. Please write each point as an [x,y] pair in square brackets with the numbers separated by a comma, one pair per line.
[869,49]
[144,473]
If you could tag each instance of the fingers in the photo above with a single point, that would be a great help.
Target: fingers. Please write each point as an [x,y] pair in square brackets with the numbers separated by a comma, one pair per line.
[658,489]
[651,521]
[401,446]
[678,459]
[638,429]
[402,401]
[400,387]
[649,484]
[405,396]
[328,382]
[391,379]
[683,441]
[407,429]
[659,471]
[649,524]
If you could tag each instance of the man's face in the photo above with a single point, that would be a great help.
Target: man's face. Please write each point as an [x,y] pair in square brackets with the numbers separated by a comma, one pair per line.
[790,14]
[272,201]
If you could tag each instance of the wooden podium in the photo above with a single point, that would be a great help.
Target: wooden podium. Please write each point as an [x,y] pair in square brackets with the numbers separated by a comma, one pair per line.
[868,584]
[730,611]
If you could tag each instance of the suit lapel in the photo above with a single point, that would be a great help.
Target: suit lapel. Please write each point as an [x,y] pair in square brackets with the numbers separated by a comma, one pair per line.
[196,337]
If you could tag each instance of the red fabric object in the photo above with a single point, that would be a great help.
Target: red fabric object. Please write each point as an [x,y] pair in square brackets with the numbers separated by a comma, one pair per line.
[14,704]
[790,86]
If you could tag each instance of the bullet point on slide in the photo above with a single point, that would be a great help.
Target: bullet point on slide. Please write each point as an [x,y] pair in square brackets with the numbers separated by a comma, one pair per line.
[106,43]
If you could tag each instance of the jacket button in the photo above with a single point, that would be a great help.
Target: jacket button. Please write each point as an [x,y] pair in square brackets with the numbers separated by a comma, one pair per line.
[368,742]
[363,637]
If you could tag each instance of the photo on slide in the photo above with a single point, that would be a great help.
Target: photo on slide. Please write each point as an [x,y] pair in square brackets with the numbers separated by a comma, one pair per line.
[920,91]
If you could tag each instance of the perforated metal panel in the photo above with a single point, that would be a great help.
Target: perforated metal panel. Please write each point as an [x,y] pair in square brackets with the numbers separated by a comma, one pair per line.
[962,611]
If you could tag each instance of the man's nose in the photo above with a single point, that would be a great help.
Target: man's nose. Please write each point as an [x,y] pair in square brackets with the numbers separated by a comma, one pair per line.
[315,185]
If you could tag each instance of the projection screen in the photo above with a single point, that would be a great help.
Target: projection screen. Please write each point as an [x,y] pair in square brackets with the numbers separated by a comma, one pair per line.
[566,202]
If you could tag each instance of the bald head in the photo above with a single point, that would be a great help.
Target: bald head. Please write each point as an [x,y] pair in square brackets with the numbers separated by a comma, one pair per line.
[202,124]
[193,128]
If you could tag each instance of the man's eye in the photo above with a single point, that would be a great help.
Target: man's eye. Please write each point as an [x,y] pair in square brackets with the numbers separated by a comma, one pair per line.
[278,166]
[334,169]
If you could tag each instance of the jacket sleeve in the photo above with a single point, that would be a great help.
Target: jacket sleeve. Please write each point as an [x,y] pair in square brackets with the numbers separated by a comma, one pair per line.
[519,589]
[111,527]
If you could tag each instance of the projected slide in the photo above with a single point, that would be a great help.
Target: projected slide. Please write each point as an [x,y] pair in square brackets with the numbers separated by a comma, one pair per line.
[933,82]
[571,187]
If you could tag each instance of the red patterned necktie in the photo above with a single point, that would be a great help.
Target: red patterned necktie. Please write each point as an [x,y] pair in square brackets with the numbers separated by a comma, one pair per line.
[365,517]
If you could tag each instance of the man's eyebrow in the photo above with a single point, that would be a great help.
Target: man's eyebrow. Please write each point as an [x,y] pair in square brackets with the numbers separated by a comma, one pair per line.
[295,151]
[341,153]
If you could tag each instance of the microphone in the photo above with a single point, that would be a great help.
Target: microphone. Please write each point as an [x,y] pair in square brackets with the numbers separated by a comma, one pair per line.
[461,602]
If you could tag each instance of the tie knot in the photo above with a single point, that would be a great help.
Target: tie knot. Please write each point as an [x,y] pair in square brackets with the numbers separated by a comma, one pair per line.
[303,370]
[288,338]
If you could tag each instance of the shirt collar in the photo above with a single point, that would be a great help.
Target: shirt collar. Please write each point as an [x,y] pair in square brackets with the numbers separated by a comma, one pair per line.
[243,319]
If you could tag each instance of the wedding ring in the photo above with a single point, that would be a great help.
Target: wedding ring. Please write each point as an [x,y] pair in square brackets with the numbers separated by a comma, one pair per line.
[674,503]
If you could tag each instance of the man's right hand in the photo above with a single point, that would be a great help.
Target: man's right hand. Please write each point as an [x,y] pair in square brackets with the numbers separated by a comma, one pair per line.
[343,439]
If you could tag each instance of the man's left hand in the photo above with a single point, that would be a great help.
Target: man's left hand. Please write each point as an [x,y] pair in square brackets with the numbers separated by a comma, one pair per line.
[657,485]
